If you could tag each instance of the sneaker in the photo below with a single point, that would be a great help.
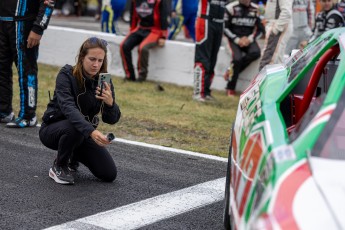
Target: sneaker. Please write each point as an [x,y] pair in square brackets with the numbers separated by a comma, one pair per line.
[5,118]
[230,92]
[73,166]
[209,98]
[61,175]
[229,73]
[199,98]
[22,123]
[141,78]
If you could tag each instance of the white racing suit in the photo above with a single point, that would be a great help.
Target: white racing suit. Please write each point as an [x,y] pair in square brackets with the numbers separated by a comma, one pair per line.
[278,17]
[303,12]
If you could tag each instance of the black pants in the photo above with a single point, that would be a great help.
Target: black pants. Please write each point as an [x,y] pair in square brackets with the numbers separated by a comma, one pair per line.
[241,59]
[13,48]
[70,143]
[208,40]
[146,39]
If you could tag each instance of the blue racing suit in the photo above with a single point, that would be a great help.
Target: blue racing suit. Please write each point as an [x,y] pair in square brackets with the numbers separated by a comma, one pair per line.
[111,11]
[189,12]
[17,19]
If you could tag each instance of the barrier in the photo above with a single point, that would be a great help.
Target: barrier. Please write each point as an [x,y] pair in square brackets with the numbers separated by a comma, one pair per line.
[172,64]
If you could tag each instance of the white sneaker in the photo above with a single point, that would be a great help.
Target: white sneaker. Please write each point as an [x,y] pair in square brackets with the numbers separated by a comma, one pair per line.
[5,118]
[22,123]
[199,98]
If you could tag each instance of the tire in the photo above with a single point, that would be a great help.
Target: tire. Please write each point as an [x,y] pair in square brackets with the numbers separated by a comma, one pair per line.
[226,215]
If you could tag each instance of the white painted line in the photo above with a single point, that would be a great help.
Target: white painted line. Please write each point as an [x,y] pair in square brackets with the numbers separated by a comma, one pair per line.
[151,210]
[181,151]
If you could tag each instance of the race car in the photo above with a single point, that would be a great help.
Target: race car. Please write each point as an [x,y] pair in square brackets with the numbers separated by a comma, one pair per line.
[286,165]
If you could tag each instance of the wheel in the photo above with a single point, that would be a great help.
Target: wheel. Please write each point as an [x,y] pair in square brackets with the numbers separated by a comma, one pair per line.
[226,216]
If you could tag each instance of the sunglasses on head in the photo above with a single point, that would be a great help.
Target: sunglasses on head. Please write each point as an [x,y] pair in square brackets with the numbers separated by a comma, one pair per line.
[94,40]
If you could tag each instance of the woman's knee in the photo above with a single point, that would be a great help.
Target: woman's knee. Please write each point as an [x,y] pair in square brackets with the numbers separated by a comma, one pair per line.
[109,176]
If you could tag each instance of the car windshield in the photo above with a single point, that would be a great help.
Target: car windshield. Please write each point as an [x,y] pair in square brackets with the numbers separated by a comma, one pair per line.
[303,57]
[331,143]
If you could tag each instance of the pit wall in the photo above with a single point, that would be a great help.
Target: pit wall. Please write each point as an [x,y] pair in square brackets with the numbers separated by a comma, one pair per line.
[172,63]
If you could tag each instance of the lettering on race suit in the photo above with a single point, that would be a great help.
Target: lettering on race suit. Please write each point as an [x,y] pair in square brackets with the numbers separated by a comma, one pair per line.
[197,79]
[218,3]
[31,90]
[48,12]
[244,21]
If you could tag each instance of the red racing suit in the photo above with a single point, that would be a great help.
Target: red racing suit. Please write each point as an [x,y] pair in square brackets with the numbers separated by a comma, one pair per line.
[209,31]
[17,19]
[148,24]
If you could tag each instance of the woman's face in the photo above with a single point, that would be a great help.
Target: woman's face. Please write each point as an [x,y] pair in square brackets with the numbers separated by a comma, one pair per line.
[93,61]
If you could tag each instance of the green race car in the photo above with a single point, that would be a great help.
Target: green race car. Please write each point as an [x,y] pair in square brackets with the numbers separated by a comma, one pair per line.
[286,167]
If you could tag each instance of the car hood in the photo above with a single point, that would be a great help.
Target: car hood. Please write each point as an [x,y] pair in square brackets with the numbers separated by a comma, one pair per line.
[329,176]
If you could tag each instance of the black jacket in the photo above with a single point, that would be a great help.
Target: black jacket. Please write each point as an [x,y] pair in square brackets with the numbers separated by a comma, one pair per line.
[242,20]
[28,10]
[79,105]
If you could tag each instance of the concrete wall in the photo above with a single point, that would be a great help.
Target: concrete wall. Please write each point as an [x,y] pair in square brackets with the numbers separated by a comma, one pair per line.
[172,64]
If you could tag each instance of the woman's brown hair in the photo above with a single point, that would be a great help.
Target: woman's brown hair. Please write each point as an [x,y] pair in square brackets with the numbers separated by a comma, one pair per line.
[90,43]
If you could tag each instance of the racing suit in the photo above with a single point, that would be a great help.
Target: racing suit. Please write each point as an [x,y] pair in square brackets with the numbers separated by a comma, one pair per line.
[111,11]
[326,20]
[148,24]
[303,19]
[209,30]
[242,21]
[278,15]
[341,7]
[17,19]
[189,11]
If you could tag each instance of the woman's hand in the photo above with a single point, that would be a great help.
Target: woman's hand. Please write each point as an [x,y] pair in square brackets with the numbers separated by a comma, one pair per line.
[99,138]
[106,96]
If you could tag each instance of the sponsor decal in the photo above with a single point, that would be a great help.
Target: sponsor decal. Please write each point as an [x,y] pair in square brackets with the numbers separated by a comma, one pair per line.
[284,153]
[144,10]
[247,163]
[251,108]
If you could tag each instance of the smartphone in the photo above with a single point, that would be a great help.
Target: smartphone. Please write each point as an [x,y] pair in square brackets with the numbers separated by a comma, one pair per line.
[103,77]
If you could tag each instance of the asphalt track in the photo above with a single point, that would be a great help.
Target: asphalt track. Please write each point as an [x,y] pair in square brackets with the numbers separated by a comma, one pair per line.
[155,189]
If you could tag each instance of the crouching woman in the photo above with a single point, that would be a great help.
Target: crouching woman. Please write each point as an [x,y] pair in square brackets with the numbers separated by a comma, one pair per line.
[71,119]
